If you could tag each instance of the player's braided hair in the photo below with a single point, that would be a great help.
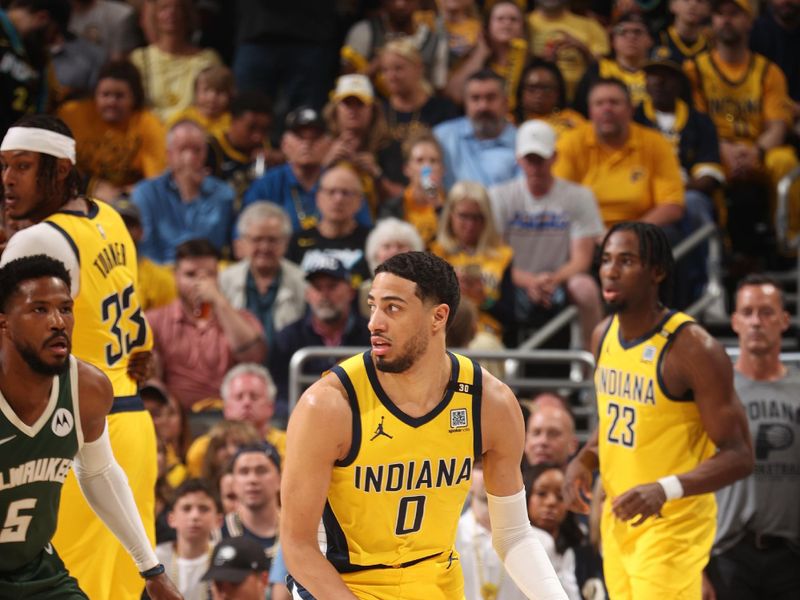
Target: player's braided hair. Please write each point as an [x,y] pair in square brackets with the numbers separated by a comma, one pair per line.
[435,278]
[46,174]
[27,268]
[654,250]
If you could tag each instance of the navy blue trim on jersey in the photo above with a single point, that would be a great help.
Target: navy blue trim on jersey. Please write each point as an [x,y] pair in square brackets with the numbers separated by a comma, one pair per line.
[477,399]
[392,407]
[643,338]
[355,438]
[337,551]
[69,239]
[689,395]
[94,209]
[294,587]
[127,404]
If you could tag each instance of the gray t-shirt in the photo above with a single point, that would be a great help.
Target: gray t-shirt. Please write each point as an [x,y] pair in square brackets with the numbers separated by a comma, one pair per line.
[768,501]
[540,229]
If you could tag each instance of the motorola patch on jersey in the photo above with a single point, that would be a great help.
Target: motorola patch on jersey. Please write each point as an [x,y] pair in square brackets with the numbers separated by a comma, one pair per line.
[62,422]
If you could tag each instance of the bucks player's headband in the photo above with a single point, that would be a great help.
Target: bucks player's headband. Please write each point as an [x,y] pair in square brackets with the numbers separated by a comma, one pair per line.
[35,139]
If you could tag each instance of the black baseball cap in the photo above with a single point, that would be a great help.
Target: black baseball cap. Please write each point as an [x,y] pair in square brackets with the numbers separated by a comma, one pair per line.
[325,264]
[234,559]
[304,116]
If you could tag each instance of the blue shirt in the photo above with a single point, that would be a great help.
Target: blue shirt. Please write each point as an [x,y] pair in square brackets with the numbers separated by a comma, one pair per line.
[279,185]
[466,158]
[168,221]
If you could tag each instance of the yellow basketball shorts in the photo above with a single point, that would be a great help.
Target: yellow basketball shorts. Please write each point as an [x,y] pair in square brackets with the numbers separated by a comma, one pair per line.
[90,551]
[659,559]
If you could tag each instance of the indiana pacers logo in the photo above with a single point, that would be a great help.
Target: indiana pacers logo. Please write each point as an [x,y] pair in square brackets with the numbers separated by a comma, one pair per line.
[62,422]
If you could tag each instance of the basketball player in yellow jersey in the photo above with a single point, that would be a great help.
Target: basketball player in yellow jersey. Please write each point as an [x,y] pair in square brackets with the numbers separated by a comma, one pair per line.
[41,184]
[670,431]
[381,451]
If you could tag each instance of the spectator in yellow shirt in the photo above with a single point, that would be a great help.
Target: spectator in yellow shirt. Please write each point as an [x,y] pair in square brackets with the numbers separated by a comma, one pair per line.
[571,41]
[542,96]
[213,91]
[746,96]
[632,170]
[118,141]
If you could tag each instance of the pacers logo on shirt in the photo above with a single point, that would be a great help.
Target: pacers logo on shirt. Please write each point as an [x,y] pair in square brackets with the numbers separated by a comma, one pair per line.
[62,422]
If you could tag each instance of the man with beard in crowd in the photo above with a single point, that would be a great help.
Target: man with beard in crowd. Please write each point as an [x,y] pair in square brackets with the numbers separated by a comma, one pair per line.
[480,146]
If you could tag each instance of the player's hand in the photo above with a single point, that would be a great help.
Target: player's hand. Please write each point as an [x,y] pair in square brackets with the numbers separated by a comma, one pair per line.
[141,366]
[161,588]
[577,486]
[643,501]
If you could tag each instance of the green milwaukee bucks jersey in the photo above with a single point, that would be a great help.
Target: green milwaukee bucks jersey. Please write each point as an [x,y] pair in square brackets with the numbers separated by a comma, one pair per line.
[34,460]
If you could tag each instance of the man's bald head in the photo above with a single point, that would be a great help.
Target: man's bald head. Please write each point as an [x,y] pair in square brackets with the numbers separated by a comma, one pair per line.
[550,434]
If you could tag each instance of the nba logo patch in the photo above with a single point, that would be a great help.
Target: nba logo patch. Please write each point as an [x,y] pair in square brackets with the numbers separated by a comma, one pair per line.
[458,418]
[649,354]
[62,422]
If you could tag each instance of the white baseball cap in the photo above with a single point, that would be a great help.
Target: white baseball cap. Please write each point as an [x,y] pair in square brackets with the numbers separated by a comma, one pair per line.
[536,137]
[353,85]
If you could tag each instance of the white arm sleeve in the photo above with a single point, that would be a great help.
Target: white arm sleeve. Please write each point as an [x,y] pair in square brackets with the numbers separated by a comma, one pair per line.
[522,554]
[106,489]
[44,239]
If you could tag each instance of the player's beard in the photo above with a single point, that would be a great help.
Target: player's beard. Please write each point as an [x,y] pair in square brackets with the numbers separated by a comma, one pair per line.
[37,365]
[613,308]
[411,351]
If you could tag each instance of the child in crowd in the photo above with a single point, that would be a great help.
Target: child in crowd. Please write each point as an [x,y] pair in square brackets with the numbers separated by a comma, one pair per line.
[213,90]
[423,198]
[561,534]
[225,438]
[196,512]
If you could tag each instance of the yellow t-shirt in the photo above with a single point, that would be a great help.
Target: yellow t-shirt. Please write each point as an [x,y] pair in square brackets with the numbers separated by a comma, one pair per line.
[742,98]
[156,284]
[462,37]
[422,216]
[197,451]
[109,322]
[169,79]
[561,121]
[545,32]
[627,181]
[121,154]
[215,127]
[635,80]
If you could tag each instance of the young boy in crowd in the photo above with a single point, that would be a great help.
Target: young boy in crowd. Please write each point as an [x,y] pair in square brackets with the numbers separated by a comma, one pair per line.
[213,90]
[196,512]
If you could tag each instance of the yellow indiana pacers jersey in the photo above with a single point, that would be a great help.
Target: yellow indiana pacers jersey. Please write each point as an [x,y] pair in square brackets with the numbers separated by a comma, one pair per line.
[397,496]
[735,105]
[109,322]
[635,80]
[644,433]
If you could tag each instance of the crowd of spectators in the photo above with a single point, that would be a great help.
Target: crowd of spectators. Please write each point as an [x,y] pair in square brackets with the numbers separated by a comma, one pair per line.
[266,157]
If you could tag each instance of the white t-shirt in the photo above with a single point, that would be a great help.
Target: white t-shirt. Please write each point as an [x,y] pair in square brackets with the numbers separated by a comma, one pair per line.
[473,540]
[564,564]
[540,229]
[185,573]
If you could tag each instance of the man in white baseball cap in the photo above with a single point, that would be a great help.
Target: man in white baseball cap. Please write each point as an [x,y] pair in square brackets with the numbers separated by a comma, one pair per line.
[552,225]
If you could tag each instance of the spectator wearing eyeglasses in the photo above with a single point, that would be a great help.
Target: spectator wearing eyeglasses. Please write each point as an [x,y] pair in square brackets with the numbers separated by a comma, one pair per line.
[264,282]
[338,234]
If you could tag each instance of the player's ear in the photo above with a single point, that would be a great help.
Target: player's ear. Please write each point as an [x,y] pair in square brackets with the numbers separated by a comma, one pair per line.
[63,167]
[659,275]
[440,314]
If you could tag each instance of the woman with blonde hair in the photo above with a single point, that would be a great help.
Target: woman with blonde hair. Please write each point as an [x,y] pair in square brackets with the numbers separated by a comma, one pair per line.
[468,240]
[225,438]
[411,107]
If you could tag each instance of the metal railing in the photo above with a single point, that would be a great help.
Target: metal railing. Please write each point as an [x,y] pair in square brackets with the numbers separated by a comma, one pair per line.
[299,380]
[711,304]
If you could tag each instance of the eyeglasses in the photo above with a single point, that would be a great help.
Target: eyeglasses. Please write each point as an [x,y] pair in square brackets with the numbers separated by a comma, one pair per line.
[263,239]
[474,217]
[539,87]
[340,192]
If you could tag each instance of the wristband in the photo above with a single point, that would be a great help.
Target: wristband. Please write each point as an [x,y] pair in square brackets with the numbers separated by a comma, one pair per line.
[672,487]
[153,571]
